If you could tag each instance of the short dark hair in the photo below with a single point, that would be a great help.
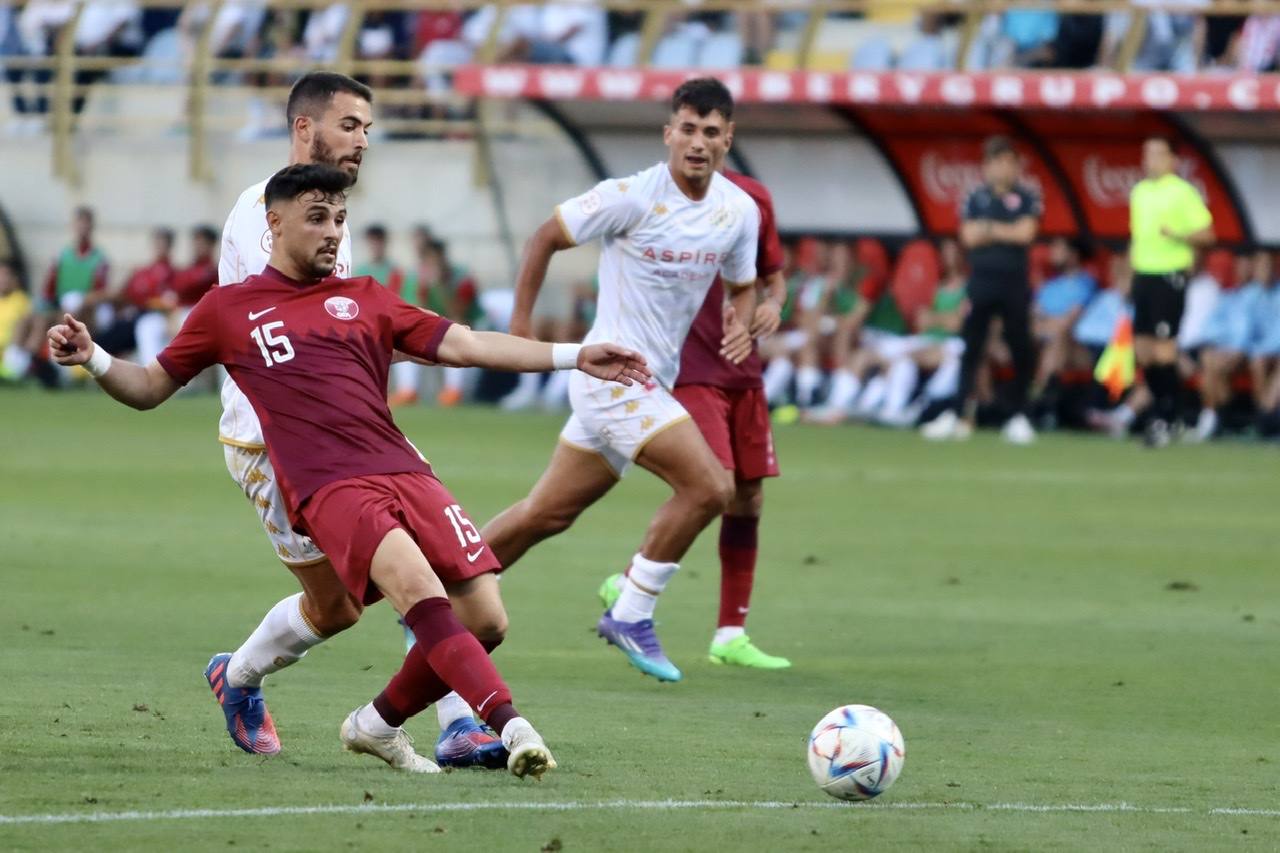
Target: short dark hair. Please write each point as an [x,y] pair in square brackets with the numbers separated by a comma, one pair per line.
[702,95]
[83,212]
[205,232]
[314,91]
[292,181]
[376,231]
[997,146]
[164,233]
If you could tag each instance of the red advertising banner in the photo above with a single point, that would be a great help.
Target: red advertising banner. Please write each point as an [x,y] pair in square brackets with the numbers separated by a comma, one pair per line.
[1103,161]
[1051,89]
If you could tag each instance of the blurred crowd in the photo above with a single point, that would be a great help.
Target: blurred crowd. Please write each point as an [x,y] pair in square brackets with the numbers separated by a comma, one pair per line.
[870,328]
[581,32]
[873,336]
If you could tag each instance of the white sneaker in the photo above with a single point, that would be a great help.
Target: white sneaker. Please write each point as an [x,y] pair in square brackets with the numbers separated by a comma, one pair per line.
[528,755]
[397,749]
[946,427]
[1206,427]
[1018,430]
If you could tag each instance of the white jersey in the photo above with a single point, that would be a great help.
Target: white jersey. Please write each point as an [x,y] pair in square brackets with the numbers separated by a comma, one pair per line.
[246,248]
[661,253]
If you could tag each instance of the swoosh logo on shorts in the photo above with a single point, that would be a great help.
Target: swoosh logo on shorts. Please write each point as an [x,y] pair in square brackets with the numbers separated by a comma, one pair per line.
[471,558]
[254,316]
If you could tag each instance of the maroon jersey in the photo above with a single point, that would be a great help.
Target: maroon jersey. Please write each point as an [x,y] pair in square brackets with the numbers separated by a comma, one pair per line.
[700,361]
[312,359]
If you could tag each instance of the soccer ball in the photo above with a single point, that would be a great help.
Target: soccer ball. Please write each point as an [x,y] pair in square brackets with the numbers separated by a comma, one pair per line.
[856,752]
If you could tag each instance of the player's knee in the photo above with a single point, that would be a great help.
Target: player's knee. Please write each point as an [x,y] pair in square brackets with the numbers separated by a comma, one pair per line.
[491,629]
[712,496]
[335,615]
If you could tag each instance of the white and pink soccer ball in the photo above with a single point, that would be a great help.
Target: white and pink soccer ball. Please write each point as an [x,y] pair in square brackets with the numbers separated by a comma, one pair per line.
[856,752]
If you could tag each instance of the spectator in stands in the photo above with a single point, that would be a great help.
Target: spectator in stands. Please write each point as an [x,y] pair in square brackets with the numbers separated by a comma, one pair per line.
[870,332]
[1167,43]
[38,24]
[1076,44]
[1028,34]
[191,282]
[940,325]
[929,50]
[1264,363]
[378,265]
[999,223]
[235,29]
[572,33]
[1228,338]
[146,299]
[1258,47]
[15,313]
[106,28]
[1058,306]
[80,270]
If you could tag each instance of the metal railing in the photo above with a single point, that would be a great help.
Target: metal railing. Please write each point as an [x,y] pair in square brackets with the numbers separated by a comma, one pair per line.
[475,120]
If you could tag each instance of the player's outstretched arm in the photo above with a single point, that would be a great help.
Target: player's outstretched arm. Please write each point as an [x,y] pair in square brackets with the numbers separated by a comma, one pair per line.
[463,347]
[545,242]
[131,384]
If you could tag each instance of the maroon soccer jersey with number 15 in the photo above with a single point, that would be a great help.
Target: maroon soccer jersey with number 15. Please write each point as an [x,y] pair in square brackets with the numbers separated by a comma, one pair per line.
[313,361]
[700,361]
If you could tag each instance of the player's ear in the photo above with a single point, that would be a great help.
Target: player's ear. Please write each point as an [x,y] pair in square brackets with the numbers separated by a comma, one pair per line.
[273,221]
[302,127]
[728,135]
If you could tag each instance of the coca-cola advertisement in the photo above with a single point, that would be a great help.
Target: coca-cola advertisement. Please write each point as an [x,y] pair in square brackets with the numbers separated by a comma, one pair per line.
[941,172]
[1103,172]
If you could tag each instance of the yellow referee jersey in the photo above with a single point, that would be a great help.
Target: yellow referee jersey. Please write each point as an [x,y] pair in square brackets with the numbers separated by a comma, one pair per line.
[1167,202]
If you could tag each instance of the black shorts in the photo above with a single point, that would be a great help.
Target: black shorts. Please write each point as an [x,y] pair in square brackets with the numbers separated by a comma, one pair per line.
[1158,301]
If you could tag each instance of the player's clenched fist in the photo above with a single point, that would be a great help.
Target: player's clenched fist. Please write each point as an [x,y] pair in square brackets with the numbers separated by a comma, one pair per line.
[69,342]
[613,363]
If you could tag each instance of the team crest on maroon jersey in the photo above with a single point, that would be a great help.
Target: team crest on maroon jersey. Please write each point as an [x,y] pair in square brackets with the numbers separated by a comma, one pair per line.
[342,308]
[1012,200]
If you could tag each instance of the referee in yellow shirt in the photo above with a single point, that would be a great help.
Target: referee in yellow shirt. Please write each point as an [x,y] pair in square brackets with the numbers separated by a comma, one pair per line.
[1168,221]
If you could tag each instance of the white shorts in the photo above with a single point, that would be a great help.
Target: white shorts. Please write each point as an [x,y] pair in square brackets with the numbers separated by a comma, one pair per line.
[617,421]
[252,471]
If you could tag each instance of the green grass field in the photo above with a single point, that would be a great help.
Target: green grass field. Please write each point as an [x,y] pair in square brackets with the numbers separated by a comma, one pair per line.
[1011,608]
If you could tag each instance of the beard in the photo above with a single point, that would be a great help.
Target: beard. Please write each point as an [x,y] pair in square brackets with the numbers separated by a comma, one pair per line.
[323,154]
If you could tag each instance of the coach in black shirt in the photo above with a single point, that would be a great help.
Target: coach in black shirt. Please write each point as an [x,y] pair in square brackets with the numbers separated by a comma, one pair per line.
[998,224]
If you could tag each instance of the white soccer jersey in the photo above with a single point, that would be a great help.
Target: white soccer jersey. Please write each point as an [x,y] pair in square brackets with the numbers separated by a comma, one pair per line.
[661,252]
[246,248]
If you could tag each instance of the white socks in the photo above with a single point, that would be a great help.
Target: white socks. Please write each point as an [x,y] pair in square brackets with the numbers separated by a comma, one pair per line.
[283,638]
[451,708]
[777,375]
[369,720]
[945,381]
[902,377]
[726,634]
[844,390]
[637,603]
[808,378]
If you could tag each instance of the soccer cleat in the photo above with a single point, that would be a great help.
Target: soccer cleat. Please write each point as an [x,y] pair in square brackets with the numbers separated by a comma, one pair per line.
[449,397]
[639,643]
[1018,430]
[740,651]
[528,755]
[248,721]
[611,589]
[395,749]
[466,743]
[786,415]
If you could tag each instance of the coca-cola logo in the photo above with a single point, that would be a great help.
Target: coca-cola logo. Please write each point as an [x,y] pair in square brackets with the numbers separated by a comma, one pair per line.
[1109,184]
[947,181]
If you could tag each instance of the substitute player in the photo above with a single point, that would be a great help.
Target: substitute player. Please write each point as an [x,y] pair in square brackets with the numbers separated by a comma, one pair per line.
[1168,221]
[311,351]
[667,232]
[329,118]
[727,403]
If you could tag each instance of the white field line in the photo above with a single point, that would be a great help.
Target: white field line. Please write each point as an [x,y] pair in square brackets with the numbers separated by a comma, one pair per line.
[618,805]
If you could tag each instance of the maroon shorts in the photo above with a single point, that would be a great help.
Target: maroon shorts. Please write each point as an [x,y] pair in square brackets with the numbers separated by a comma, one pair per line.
[348,519]
[735,422]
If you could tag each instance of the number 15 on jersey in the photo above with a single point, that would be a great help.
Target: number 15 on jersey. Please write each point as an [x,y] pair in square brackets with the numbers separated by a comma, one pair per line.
[275,349]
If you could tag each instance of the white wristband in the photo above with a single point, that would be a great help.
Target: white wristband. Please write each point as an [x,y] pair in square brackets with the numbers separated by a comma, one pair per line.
[565,356]
[98,363]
